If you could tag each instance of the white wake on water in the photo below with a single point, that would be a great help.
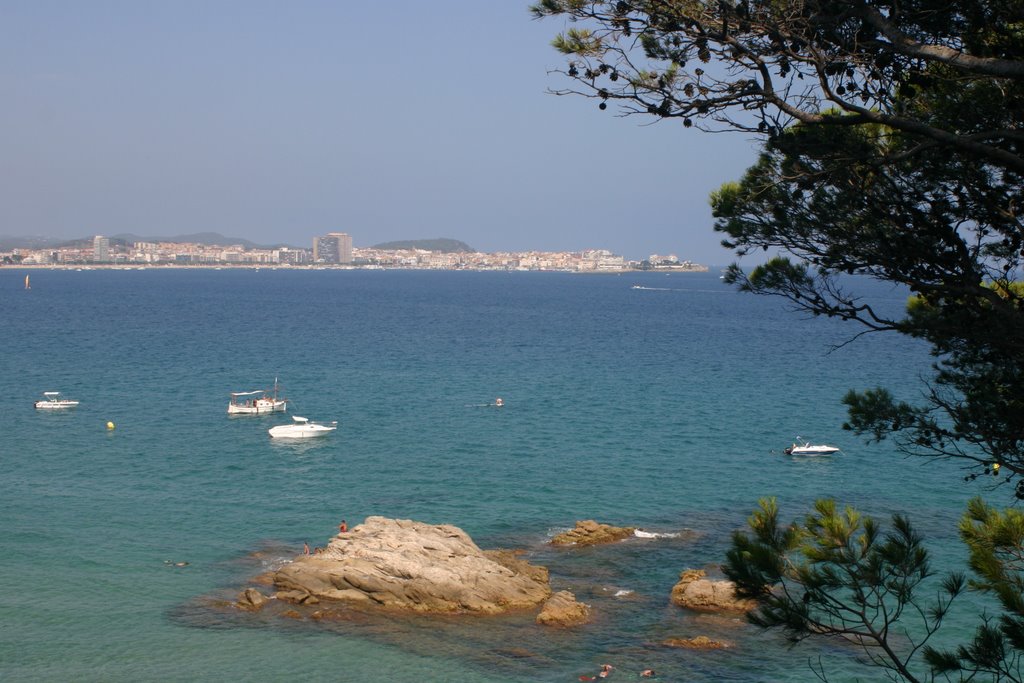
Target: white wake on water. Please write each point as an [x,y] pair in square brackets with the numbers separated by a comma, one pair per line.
[640,533]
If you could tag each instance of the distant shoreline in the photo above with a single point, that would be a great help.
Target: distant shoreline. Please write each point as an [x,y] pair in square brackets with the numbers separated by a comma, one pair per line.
[277,266]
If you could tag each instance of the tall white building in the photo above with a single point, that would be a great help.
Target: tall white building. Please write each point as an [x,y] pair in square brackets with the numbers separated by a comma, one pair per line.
[334,247]
[100,249]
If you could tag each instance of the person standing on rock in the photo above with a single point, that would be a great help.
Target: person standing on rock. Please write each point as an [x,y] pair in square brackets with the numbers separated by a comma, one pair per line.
[305,548]
[343,527]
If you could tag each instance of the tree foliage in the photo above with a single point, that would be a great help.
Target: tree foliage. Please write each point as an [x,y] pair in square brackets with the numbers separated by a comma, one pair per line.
[892,148]
[995,541]
[942,226]
[760,65]
[839,574]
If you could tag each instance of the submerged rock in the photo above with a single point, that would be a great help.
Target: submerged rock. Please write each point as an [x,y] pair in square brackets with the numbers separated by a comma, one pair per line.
[695,591]
[562,609]
[698,643]
[251,599]
[589,532]
[408,565]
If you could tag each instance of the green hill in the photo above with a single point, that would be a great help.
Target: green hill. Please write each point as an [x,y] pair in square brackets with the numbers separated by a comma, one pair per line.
[441,244]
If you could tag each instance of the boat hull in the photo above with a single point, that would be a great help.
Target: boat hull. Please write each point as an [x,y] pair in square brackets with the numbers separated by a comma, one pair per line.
[812,450]
[55,405]
[299,431]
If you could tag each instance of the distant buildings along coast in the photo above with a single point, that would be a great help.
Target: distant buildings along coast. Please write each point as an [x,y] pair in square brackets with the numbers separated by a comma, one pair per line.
[334,249]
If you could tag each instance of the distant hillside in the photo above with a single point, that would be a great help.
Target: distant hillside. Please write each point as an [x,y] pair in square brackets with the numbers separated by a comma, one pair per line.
[441,244]
[210,238]
[28,242]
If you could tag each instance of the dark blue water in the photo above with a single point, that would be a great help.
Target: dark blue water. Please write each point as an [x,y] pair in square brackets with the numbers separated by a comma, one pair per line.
[664,408]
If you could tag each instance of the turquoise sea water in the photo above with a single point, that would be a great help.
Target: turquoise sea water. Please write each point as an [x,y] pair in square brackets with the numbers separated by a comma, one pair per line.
[657,407]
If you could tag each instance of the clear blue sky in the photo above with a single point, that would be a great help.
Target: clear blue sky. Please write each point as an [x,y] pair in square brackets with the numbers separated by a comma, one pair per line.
[279,121]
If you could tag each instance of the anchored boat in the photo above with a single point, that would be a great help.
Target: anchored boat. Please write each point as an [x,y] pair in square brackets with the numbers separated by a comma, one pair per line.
[257,402]
[53,401]
[302,428]
[810,449]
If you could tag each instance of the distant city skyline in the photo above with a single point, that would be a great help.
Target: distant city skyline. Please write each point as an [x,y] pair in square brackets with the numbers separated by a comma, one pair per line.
[332,250]
[10,243]
[273,123]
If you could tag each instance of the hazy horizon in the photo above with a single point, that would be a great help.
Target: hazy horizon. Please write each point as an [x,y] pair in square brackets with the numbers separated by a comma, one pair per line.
[389,122]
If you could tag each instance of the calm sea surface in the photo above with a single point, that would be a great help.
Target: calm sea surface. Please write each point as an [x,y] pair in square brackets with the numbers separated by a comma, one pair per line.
[664,408]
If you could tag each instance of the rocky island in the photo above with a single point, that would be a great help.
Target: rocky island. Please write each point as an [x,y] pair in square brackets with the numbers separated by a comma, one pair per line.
[413,566]
[590,532]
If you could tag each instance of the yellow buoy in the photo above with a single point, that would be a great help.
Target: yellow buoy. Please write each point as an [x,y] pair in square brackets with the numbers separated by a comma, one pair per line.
[110,425]
[995,468]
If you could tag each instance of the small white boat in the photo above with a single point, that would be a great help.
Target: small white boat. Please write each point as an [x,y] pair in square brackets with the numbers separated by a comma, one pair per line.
[53,401]
[302,429]
[810,449]
[257,402]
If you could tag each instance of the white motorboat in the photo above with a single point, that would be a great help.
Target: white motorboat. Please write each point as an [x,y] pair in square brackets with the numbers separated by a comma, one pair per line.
[302,428]
[810,449]
[257,402]
[53,401]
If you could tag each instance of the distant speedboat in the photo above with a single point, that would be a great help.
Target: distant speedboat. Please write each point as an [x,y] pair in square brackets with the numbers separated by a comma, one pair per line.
[810,449]
[301,429]
[257,402]
[53,401]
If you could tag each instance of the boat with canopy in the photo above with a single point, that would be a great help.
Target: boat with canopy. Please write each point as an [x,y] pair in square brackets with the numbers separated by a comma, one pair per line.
[257,402]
